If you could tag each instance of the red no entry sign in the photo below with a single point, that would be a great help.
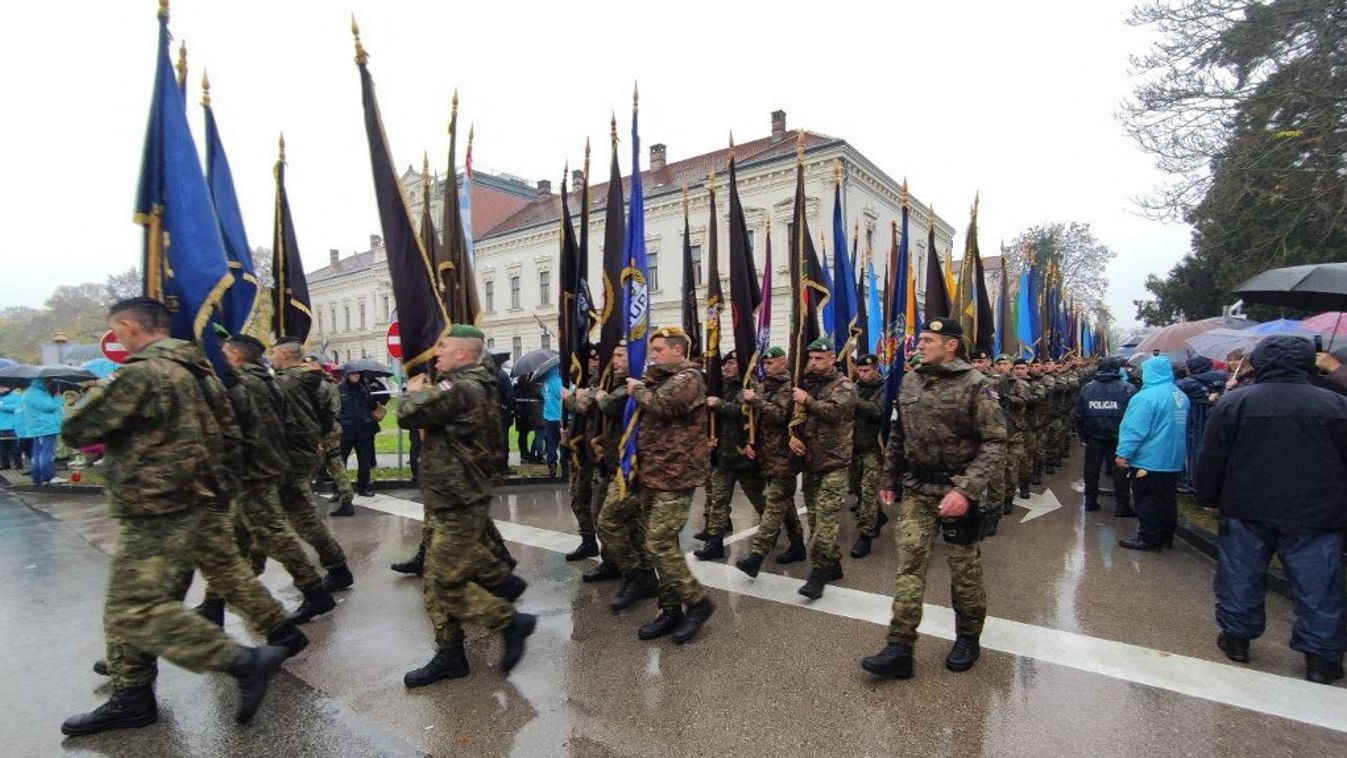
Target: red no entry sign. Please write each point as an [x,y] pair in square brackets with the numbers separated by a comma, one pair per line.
[112,349]
[394,341]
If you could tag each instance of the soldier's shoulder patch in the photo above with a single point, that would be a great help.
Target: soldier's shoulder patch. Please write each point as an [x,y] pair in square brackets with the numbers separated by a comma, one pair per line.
[991,392]
[846,384]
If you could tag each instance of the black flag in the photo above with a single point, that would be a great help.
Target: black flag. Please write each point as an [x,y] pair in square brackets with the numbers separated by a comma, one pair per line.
[692,318]
[612,322]
[291,314]
[937,297]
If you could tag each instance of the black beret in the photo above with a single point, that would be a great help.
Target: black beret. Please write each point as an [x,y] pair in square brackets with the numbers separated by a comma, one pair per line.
[980,355]
[943,326]
[289,341]
[249,341]
[868,359]
[730,356]
[1021,362]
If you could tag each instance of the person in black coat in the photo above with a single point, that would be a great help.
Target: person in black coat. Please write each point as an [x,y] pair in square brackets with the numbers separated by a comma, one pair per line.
[528,416]
[359,398]
[505,398]
[1203,385]
[1274,462]
[1095,417]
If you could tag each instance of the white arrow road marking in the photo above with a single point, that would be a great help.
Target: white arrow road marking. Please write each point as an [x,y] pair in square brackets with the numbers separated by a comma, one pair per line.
[1039,504]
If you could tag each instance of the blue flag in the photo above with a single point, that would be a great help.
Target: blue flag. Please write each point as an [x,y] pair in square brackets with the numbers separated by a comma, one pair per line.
[1024,326]
[184,262]
[635,306]
[843,302]
[240,302]
[897,326]
[873,312]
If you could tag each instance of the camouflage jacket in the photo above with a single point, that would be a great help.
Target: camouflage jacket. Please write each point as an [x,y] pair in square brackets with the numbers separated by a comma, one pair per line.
[330,397]
[605,424]
[869,416]
[730,432]
[829,415]
[672,432]
[166,448]
[577,430]
[305,413]
[461,421]
[950,425]
[774,407]
[259,408]
[1038,402]
[1015,400]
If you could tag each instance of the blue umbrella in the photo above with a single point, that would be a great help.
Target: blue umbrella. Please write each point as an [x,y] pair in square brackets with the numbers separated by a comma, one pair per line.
[1280,326]
[6,363]
[100,367]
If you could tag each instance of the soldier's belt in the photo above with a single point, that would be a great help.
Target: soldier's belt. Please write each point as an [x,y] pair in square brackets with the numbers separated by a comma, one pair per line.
[932,476]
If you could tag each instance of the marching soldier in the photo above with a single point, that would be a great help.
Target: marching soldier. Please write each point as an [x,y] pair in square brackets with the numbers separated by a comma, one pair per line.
[865,461]
[1038,414]
[618,515]
[996,491]
[166,460]
[1016,401]
[829,401]
[946,445]
[458,469]
[772,401]
[732,464]
[582,465]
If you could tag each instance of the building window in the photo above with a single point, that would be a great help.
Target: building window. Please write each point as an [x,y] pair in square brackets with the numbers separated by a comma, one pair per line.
[363,353]
[514,291]
[336,356]
[387,312]
[347,313]
[697,265]
[334,318]
[490,342]
[547,340]
[489,296]
[750,241]
[517,348]
[320,322]
[652,266]
[545,287]
[362,318]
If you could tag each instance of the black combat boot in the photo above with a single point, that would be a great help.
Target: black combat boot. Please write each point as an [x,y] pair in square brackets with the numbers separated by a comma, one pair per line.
[128,708]
[1024,490]
[1008,507]
[1036,479]
[345,509]
[510,588]
[703,535]
[636,586]
[1235,648]
[894,662]
[964,653]
[813,586]
[862,547]
[253,668]
[449,663]
[667,620]
[603,572]
[993,520]
[696,615]
[1048,468]
[338,578]
[794,552]
[513,637]
[713,549]
[589,547]
[317,601]
[413,565]
[212,610]
[750,565]
[101,667]
[1321,670]
[288,636]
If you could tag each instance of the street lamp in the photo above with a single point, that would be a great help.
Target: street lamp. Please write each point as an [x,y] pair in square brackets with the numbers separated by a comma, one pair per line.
[60,339]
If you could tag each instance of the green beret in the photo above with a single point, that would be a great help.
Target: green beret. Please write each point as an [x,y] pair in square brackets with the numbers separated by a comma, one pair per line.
[774,352]
[820,345]
[868,359]
[466,331]
[247,341]
[943,326]
[1004,357]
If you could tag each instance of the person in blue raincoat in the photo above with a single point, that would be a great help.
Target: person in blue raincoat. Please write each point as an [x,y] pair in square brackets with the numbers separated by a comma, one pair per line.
[1152,444]
[42,423]
[9,438]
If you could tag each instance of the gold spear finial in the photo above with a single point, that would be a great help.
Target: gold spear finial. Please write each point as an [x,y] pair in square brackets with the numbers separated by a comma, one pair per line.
[613,127]
[361,57]
[163,9]
[685,199]
[586,160]
[635,96]
[182,63]
[425,177]
[453,111]
[471,129]
[930,214]
[903,194]
[837,171]
[282,147]
[799,146]
[977,195]
[711,180]
[205,89]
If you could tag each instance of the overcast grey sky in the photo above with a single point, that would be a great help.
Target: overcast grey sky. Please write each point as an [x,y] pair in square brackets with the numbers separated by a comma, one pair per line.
[1015,100]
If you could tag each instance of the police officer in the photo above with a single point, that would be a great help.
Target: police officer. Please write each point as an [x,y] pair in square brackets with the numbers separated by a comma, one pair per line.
[865,460]
[1095,417]
[946,445]
[732,464]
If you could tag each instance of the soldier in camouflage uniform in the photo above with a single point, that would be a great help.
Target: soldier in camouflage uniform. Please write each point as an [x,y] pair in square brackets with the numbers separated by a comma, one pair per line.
[576,442]
[865,453]
[165,461]
[460,460]
[621,522]
[732,463]
[673,461]
[342,492]
[1038,416]
[307,420]
[771,401]
[1015,400]
[996,491]
[828,400]
[947,444]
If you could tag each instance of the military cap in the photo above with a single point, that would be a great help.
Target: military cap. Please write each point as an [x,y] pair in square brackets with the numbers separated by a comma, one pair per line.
[730,356]
[675,332]
[774,352]
[943,326]
[1004,357]
[289,341]
[820,345]
[1021,362]
[592,350]
[247,341]
[466,331]
[868,359]
[978,355]
[147,303]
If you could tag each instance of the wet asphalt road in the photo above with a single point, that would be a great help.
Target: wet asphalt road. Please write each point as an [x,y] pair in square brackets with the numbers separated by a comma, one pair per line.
[1092,650]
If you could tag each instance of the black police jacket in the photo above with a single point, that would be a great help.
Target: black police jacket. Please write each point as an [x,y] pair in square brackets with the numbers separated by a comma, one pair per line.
[1099,407]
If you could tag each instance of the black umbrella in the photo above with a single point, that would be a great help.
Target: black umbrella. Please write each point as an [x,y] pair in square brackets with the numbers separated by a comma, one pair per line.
[366,366]
[1314,287]
[22,376]
[535,363]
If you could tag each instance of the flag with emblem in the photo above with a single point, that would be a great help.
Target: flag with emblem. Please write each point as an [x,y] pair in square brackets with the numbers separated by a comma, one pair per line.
[453,266]
[807,288]
[900,309]
[715,297]
[845,328]
[692,316]
[635,306]
[239,304]
[612,320]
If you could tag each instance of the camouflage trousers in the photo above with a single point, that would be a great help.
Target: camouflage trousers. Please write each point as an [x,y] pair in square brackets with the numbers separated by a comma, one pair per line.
[1056,439]
[918,530]
[1017,463]
[262,531]
[336,469]
[582,499]
[666,513]
[143,614]
[780,495]
[824,494]
[621,527]
[457,558]
[215,551]
[1033,443]
[296,497]
[865,471]
[720,491]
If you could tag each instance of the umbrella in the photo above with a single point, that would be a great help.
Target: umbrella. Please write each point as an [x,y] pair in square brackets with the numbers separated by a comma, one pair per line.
[6,363]
[22,376]
[536,363]
[366,366]
[1174,338]
[500,355]
[1314,287]
[1328,324]
[1280,326]
[100,367]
